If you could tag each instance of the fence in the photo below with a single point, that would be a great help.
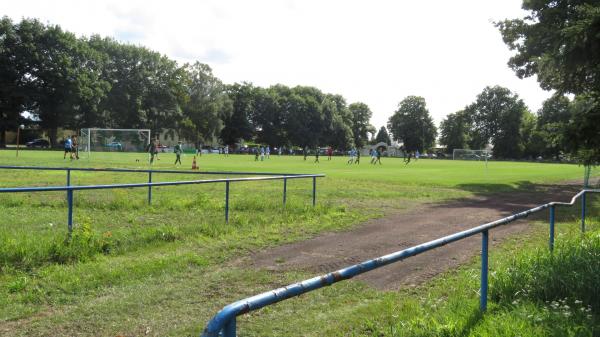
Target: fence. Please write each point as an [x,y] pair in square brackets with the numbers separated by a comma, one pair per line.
[150,184]
[224,322]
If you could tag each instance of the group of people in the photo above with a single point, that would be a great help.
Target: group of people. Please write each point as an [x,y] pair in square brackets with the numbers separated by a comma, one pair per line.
[155,145]
[71,147]
[375,156]
[409,154]
[262,152]
[354,156]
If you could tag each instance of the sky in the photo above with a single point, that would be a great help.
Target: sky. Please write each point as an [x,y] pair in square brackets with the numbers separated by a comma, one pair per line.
[376,52]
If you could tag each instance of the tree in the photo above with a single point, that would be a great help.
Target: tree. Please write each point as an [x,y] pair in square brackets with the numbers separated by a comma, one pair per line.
[412,124]
[270,115]
[208,104]
[238,125]
[13,85]
[62,72]
[305,125]
[559,41]
[552,123]
[496,117]
[454,131]
[338,125]
[361,115]
[383,136]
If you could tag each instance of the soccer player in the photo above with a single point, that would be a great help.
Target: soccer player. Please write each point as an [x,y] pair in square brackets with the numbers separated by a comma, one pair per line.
[407,158]
[329,153]
[178,149]
[317,155]
[378,154]
[68,148]
[153,150]
[357,160]
[75,147]
[350,157]
[262,153]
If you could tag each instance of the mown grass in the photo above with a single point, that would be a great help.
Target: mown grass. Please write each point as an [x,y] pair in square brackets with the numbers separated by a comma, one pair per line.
[134,269]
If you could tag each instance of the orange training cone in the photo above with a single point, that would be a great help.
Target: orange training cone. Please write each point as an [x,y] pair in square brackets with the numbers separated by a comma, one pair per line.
[194,166]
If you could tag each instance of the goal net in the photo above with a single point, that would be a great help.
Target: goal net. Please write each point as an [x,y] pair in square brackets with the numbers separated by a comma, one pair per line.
[466,154]
[112,140]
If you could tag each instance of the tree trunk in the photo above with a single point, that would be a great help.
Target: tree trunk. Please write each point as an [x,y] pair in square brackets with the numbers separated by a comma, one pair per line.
[3,138]
[52,134]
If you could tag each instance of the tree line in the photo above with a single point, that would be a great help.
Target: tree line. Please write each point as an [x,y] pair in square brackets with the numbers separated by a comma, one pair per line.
[64,81]
[558,41]
[74,82]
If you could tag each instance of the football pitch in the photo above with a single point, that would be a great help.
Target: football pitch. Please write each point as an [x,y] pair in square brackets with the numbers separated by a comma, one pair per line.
[164,269]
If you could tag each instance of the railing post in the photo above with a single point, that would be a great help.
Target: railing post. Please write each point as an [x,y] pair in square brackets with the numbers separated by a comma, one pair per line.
[70,210]
[314,191]
[68,181]
[229,329]
[484,271]
[149,187]
[284,191]
[551,242]
[227,203]
[583,212]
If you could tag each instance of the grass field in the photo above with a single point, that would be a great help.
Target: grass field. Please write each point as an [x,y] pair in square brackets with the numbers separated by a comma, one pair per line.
[132,269]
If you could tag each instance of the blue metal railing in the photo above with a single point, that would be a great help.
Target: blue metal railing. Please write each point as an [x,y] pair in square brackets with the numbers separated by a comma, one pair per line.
[224,322]
[150,171]
[150,184]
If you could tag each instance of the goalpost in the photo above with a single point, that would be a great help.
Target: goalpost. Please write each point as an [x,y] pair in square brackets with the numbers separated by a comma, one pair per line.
[466,154]
[113,140]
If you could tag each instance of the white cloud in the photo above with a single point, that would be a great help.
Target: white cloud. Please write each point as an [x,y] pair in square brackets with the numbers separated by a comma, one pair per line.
[377,52]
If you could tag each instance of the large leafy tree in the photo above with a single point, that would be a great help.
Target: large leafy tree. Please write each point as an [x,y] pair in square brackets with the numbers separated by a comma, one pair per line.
[305,117]
[383,136]
[62,72]
[454,131]
[496,117]
[412,125]
[148,90]
[361,116]
[13,85]
[559,41]
[338,131]
[552,122]
[208,104]
[270,115]
[238,125]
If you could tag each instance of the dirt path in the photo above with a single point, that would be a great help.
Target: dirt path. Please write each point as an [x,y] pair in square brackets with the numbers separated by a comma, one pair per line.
[333,251]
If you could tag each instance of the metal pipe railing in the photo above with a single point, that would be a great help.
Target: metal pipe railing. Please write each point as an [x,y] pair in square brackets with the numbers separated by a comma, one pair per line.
[224,322]
[70,189]
[50,168]
[149,171]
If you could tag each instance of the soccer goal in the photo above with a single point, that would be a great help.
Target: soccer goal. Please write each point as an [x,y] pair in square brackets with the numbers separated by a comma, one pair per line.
[113,140]
[466,154]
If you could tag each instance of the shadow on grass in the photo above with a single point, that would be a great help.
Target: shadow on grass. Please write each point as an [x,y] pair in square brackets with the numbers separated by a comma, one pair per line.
[510,199]
[471,322]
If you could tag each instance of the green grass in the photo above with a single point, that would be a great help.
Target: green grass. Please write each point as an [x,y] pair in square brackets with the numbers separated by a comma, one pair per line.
[533,293]
[130,267]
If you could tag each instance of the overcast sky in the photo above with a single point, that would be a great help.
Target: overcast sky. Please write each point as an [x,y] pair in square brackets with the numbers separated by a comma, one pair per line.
[376,52]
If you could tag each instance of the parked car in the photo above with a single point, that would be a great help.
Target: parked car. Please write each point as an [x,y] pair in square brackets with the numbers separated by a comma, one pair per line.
[40,142]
